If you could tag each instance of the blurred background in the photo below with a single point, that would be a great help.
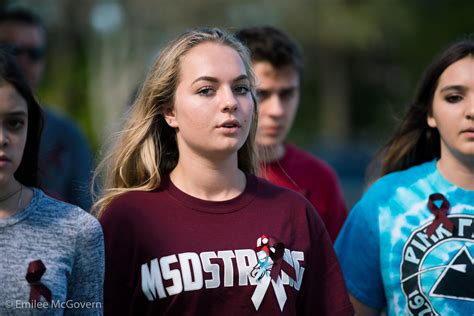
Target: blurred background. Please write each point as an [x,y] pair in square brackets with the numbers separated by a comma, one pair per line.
[362,61]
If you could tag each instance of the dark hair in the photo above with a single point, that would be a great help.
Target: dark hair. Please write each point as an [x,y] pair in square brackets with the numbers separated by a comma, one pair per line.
[269,44]
[415,142]
[21,15]
[10,73]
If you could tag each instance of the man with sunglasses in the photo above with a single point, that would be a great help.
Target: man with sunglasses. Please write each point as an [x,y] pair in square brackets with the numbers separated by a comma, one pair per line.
[65,157]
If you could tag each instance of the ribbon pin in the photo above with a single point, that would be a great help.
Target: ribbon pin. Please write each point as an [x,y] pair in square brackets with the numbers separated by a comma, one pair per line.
[36,269]
[270,257]
[439,206]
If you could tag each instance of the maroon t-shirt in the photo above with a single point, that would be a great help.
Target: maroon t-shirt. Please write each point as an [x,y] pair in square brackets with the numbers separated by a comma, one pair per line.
[315,179]
[170,253]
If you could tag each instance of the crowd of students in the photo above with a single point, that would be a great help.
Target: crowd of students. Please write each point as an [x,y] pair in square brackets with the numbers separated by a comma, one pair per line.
[204,209]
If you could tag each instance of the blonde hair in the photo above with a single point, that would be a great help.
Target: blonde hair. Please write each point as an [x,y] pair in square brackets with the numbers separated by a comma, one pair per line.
[146,149]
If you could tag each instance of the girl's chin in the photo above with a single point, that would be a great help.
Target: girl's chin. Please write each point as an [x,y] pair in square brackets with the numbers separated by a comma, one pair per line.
[223,151]
[4,179]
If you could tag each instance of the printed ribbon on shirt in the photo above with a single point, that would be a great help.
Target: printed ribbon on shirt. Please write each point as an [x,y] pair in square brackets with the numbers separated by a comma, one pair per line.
[439,206]
[36,269]
[270,264]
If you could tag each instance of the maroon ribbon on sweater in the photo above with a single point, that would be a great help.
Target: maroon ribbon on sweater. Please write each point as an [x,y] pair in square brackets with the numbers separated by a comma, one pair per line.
[440,213]
[36,269]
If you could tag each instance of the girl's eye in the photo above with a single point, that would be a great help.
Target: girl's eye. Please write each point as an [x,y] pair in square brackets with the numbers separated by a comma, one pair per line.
[455,98]
[15,124]
[206,91]
[242,90]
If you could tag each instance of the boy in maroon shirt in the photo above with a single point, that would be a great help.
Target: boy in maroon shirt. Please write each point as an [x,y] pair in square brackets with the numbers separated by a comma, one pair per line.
[277,63]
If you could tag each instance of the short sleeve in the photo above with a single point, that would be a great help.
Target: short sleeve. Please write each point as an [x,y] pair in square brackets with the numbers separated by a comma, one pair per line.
[357,248]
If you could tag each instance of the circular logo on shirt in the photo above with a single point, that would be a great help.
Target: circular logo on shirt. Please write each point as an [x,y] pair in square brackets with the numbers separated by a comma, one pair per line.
[437,264]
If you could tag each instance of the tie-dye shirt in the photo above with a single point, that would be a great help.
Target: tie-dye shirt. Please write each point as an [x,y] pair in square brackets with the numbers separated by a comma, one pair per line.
[388,256]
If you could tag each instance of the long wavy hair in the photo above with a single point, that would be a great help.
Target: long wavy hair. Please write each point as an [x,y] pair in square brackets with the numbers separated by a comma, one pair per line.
[10,73]
[414,141]
[147,149]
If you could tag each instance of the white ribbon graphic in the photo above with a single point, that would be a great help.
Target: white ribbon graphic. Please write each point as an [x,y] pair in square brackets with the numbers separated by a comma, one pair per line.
[262,287]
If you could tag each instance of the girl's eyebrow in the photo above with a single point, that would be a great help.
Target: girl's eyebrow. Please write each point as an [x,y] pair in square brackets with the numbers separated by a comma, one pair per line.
[206,78]
[454,87]
[17,113]
[241,77]
[213,79]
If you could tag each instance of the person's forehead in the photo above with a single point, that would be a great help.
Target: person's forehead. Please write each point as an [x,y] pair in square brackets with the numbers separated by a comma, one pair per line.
[265,68]
[206,59]
[21,33]
[459,72]
[267,74]
[10,98]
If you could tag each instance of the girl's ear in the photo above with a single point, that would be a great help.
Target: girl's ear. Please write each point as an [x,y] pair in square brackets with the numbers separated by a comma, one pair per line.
[170,117]
[431,120]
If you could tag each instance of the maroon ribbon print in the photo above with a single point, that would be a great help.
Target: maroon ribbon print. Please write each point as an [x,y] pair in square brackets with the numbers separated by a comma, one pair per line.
[36,269]
[276,250]
[440,213]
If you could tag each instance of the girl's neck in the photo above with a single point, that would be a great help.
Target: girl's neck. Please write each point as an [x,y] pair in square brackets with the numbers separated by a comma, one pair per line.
[208,179]
[10,199]
[459,173]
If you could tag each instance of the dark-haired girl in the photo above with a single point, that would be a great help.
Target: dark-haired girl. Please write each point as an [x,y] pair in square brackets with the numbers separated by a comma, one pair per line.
[51,253]
[408,245]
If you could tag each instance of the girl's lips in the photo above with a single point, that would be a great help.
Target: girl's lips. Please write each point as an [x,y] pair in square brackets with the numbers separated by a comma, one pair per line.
[468,134]
[4,161]
[229,130]
[230,124]
[468,131]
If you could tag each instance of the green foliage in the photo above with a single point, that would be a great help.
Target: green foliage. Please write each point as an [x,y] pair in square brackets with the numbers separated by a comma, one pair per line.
[363,58]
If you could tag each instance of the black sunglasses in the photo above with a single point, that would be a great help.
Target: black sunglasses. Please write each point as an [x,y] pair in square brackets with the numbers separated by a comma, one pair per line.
[34,53]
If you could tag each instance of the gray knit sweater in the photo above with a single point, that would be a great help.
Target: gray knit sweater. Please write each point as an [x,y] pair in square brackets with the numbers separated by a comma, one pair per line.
[69,242]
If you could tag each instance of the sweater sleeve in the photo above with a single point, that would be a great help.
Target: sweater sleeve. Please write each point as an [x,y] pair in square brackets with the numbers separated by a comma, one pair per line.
[85,284]
[323,291]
